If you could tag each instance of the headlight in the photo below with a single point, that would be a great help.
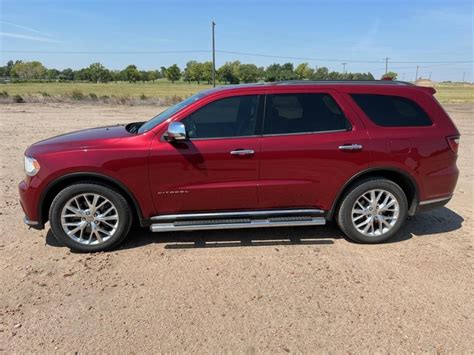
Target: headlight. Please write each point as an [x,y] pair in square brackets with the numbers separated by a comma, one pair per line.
[31,166]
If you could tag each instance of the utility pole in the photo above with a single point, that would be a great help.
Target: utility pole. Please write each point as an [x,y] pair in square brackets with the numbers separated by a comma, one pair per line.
[386,64]
[213,56]
[416,75]
[463,77]
[429,77]
[344,68]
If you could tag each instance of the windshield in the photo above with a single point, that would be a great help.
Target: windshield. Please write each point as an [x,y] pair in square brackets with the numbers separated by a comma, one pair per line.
[169,112]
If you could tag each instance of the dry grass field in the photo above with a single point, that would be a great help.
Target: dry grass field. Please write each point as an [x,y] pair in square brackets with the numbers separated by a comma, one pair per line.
[159,89]
[277,290]
[459,93]
[446,93]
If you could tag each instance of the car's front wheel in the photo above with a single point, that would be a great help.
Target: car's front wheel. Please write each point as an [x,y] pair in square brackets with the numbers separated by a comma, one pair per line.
[89,217]
[373,210]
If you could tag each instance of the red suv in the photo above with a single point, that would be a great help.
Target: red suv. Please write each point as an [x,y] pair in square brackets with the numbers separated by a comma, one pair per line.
[367,154]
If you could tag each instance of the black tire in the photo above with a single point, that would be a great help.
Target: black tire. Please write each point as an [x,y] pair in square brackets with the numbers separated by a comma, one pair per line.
[344,214]
[119,202]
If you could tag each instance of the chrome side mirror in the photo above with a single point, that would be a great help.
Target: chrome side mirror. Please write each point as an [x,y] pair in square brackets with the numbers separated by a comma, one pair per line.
[176,132]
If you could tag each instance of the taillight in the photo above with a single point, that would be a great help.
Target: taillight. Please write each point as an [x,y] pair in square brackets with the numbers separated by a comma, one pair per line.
[453,143]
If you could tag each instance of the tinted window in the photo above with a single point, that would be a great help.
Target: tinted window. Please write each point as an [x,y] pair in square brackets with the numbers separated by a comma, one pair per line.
[300,113]
[230,117]
[169,112]
[392,111]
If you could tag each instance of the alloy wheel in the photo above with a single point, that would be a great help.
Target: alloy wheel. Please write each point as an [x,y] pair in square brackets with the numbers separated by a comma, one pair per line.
[89,219]
[375,212]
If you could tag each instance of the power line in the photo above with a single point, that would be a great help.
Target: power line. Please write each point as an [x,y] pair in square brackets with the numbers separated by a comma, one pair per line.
[106,52]
[238,53]
[341,60]
[424,66]
[438,62]
[299,58]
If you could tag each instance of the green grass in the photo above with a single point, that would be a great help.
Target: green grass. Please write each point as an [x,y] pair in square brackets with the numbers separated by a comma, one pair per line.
[446,93]
[455,93]
[159,89]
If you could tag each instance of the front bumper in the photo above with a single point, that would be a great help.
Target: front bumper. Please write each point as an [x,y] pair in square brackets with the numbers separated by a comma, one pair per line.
[29,197]
[32,224]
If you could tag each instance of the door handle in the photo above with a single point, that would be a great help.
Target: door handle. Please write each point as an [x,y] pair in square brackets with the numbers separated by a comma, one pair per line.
[351,147]
[241,152]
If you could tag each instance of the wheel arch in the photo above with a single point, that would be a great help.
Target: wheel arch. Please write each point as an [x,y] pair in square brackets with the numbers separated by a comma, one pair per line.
[58,184]
[401,177]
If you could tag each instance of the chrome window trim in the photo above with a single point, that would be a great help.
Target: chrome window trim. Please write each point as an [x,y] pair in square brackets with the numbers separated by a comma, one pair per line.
[301,133]
[273,135]
[215,138]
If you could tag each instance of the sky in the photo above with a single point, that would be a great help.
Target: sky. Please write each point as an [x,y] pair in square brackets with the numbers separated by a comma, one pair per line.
[436,35]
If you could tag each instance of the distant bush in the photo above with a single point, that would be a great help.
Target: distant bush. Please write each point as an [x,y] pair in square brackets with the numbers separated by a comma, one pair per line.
[4,94]
[93,96]
[18,99]
[143,97]
[45,94]
[122,100]
[175,99]
[77,95]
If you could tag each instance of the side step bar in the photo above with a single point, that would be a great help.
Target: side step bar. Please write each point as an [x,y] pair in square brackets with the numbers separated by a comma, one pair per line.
[236,220]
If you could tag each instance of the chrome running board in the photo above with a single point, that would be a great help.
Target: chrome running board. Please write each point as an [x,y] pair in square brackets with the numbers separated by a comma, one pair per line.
[236,220]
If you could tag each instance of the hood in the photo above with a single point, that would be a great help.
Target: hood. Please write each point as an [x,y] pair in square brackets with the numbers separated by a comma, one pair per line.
[88,138]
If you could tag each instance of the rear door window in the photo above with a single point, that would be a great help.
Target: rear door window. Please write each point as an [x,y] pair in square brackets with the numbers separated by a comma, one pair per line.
[392,111]
[303,113]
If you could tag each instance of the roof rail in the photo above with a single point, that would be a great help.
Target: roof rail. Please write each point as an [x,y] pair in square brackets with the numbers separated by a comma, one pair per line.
[332,82]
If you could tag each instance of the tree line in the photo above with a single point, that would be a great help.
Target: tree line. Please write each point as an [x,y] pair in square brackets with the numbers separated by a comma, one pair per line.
[230,73]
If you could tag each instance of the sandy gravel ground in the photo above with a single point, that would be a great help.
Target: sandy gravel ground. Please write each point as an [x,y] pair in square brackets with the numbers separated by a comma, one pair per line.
[276,290]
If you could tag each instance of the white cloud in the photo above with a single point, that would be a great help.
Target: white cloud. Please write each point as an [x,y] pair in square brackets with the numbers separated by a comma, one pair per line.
[29,38]
[25,28]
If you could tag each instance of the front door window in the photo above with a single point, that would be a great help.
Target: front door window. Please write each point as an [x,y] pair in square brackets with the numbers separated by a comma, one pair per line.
[225,118]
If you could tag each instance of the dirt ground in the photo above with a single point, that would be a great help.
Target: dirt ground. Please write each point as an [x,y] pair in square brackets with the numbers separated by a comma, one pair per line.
[276,290]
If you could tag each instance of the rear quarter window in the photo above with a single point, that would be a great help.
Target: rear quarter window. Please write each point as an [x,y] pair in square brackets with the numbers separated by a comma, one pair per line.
[392,111]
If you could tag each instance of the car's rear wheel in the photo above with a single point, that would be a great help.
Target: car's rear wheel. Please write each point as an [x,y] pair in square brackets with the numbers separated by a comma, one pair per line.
[90,217]
[372,211]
